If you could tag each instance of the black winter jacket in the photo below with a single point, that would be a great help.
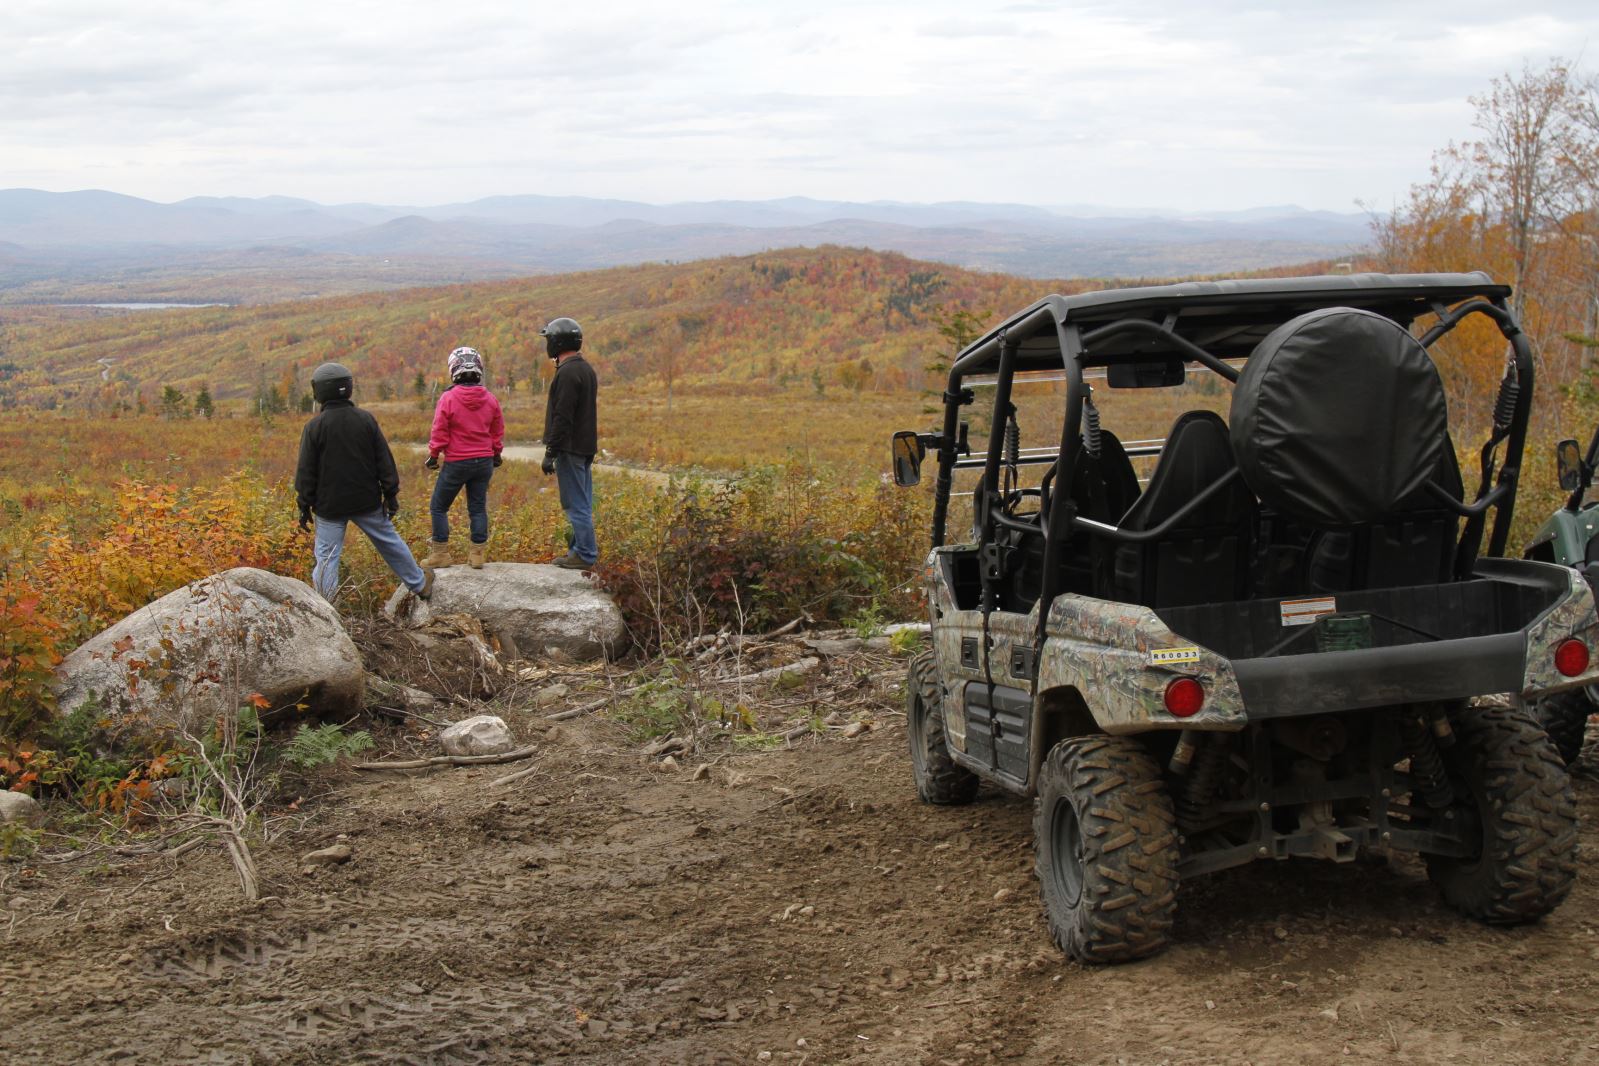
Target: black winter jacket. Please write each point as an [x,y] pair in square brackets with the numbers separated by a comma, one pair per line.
[570,419]
[345,468]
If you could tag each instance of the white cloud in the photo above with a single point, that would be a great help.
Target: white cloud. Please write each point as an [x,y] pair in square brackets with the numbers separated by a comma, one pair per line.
[1227,104]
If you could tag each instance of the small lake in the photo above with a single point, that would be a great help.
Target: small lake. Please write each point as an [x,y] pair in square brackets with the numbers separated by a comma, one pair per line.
[144,307]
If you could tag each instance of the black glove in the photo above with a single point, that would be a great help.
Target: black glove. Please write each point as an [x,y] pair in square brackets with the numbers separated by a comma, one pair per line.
[305,520]
[432,462]
[498,459]
[391,506]
[548,465]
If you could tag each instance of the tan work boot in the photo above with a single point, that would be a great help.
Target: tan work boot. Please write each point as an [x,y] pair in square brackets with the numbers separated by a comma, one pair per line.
[438,554]
[427,584]
[474,555]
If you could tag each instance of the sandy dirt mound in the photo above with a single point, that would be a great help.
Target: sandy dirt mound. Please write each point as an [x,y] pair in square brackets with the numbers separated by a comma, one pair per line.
[789,906]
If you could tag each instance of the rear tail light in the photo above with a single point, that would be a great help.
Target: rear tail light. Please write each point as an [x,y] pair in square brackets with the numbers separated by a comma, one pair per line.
[1571,657]
[1185,696]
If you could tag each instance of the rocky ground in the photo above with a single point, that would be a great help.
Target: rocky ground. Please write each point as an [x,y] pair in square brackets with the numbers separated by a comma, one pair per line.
[792,904]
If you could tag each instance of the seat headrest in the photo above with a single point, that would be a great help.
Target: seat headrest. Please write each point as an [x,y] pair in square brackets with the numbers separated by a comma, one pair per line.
[1338,416]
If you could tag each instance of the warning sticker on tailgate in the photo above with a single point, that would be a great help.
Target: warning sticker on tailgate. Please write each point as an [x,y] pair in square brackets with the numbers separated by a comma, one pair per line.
[1305,612]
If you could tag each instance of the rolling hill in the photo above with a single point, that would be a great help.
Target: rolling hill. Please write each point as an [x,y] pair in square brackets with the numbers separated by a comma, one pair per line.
[84,245]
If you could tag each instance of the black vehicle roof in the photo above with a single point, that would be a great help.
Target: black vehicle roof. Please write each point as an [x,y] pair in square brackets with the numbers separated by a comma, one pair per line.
[1226,318]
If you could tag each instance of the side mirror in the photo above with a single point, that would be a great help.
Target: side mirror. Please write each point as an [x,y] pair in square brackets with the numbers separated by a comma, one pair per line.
[1568,461]
[908,452]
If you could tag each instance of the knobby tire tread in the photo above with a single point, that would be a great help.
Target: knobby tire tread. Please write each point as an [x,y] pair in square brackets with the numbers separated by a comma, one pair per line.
[939,779]
[1130,842]
[1528,812]
[1565,718]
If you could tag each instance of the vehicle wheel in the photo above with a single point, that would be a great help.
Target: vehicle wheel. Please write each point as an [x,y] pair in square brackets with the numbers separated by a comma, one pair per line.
[1107,850]
[938,778]
[1565,719]
[1505,763]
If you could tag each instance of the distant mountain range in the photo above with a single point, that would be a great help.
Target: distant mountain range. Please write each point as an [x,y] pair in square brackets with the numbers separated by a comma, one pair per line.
[89,234]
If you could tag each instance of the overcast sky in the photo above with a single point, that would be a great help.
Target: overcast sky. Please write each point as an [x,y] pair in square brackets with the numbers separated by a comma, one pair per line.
[1199,104]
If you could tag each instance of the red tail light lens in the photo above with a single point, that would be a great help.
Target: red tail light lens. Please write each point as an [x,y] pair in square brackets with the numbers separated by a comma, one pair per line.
[1185,696]
[1571,657]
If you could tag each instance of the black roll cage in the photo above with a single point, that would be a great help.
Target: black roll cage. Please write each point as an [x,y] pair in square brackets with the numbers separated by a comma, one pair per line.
[1208,323]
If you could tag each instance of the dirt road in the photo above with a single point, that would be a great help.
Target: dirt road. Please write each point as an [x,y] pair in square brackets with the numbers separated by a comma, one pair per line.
[794,906]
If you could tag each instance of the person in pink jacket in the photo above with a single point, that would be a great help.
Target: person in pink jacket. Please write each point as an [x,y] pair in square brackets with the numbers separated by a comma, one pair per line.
[468,433]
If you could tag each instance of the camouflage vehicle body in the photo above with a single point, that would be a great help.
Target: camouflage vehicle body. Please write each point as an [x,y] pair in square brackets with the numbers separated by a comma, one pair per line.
[1059,687]
[1570,537]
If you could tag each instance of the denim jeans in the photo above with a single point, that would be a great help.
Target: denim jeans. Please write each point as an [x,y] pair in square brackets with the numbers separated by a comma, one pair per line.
[574,475]
[380,531]
[472,475]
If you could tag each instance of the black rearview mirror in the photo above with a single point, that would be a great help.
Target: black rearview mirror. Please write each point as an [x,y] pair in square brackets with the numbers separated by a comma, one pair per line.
[908,453]
[1159,374]
[1568,461]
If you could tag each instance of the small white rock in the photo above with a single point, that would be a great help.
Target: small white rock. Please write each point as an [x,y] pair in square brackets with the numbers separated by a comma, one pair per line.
[669,763]
[855,729]
[338,853]
[485,734]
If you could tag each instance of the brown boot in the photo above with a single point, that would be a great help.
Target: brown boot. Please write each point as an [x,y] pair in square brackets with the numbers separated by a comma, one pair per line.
[427,584]
[438,554]
[474,555]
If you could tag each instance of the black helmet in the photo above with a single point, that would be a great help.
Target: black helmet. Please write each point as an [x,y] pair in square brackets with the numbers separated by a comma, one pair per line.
[330,381]
[561,336]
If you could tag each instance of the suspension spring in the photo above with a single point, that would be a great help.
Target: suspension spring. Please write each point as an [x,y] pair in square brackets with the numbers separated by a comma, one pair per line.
[1426,763]
[1091,427]
[1199,790]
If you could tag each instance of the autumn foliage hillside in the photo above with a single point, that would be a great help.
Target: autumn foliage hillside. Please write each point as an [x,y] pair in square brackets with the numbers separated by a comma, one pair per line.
[847,317]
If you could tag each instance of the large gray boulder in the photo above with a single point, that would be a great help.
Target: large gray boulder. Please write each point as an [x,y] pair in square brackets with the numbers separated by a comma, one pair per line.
[15,807]
[209,647]
[536,608]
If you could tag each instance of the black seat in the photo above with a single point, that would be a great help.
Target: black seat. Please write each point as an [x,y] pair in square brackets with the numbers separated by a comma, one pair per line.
[1205,558]
[1415,546]
[1104,487]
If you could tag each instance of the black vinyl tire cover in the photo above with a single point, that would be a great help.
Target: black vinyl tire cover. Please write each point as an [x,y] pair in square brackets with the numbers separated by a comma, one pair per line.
[1337,416]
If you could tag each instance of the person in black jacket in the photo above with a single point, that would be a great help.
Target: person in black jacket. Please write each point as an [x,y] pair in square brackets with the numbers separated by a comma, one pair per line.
[571,436]
[346,474]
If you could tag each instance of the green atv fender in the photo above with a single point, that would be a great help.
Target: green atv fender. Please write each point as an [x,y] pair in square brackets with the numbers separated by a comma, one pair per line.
[1567,535]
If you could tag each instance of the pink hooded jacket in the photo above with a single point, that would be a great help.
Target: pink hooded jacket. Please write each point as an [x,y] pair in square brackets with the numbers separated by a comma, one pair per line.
[467,424]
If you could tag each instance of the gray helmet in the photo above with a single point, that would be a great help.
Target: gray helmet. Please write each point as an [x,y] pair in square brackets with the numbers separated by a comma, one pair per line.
[466,366]
[561,336]
[330,381]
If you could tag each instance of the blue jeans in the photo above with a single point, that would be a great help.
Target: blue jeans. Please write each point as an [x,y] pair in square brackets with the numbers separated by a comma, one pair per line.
[472,475]
[380,531]
[575,476]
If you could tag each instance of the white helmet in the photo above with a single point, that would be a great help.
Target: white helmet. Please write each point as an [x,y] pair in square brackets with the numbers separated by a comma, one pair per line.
[466,366]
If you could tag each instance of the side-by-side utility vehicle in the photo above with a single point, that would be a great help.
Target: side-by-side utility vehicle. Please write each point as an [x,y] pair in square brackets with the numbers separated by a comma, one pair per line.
[1571,538]
[1274,644]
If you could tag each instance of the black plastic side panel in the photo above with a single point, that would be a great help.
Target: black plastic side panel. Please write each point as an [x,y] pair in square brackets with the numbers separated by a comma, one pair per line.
[996,735]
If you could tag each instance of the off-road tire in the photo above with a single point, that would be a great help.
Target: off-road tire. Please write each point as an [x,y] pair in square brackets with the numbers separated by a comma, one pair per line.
[1106,841]
[938,779]
[1565,718]
[1507,766]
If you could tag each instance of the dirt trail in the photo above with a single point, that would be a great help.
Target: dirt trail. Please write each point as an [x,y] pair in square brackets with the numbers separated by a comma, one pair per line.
[534,453]
[796,902]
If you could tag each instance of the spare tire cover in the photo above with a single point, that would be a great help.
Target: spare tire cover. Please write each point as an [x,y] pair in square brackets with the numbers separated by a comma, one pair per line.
[1338,415]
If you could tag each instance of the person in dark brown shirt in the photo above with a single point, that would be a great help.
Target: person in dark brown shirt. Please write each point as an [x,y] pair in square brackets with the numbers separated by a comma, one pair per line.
[571,437]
